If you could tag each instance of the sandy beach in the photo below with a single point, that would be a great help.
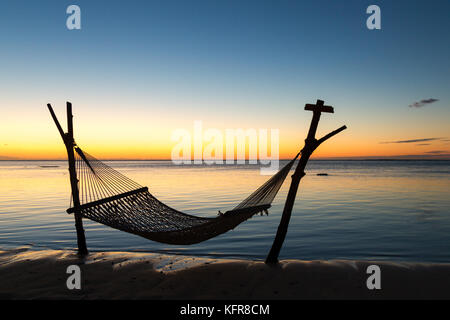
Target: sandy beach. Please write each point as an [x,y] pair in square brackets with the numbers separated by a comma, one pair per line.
[29,274]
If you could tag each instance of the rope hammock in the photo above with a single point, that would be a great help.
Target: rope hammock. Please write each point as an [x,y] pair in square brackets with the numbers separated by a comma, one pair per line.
[109,197]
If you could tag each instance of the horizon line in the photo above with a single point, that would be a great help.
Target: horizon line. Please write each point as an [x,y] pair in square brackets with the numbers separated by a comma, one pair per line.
[369,158]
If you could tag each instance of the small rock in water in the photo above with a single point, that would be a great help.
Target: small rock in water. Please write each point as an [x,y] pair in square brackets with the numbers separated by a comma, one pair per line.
[322,174]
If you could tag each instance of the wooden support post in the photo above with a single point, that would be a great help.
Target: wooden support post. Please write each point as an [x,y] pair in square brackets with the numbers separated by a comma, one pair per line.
[70,143]
[311,143]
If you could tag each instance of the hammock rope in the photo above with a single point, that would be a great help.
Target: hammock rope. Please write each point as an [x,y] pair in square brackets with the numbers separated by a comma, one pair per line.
[111,198]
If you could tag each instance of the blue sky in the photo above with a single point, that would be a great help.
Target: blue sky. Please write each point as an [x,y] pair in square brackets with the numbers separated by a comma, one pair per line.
[246,63]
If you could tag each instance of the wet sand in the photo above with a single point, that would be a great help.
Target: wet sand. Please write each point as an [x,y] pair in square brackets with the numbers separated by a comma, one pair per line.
[28,274]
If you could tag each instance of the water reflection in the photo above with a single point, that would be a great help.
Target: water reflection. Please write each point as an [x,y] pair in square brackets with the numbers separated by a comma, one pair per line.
[362,209]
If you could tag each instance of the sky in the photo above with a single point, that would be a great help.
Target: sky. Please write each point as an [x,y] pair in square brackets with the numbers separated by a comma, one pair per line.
[137,71]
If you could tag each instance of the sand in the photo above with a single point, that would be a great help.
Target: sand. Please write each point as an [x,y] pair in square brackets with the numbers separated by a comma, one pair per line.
[41,274]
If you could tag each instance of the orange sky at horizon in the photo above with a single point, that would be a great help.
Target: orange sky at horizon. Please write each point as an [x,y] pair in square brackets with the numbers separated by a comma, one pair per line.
[137,135]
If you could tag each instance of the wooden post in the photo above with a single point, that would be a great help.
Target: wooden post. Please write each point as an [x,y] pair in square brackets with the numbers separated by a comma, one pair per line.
[311,143]
[70,143]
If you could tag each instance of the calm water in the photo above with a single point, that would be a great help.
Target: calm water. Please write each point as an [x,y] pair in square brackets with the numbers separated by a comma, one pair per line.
[384,210]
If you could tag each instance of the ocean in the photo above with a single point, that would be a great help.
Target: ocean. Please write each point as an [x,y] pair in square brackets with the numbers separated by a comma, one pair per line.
[370,210]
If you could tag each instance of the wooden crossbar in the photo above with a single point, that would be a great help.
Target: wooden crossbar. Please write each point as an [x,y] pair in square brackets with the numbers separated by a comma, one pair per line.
[105,200]
[254,208]
[319,107]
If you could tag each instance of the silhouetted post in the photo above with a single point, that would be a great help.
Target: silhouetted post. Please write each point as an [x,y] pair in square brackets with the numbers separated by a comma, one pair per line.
[70,144]
[311,143]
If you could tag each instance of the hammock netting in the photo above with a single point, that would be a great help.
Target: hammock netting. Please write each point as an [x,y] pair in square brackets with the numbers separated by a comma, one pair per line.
[110,198]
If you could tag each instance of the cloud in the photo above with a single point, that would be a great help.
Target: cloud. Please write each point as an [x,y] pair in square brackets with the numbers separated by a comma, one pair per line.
[422,103]
[436,152]
[412,141]
[430,156]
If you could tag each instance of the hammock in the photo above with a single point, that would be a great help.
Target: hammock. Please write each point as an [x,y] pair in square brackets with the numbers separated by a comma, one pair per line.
[110,198]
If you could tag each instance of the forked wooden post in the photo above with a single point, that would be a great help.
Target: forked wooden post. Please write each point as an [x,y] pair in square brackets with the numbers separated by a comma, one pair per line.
[70,144]
[311,144]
